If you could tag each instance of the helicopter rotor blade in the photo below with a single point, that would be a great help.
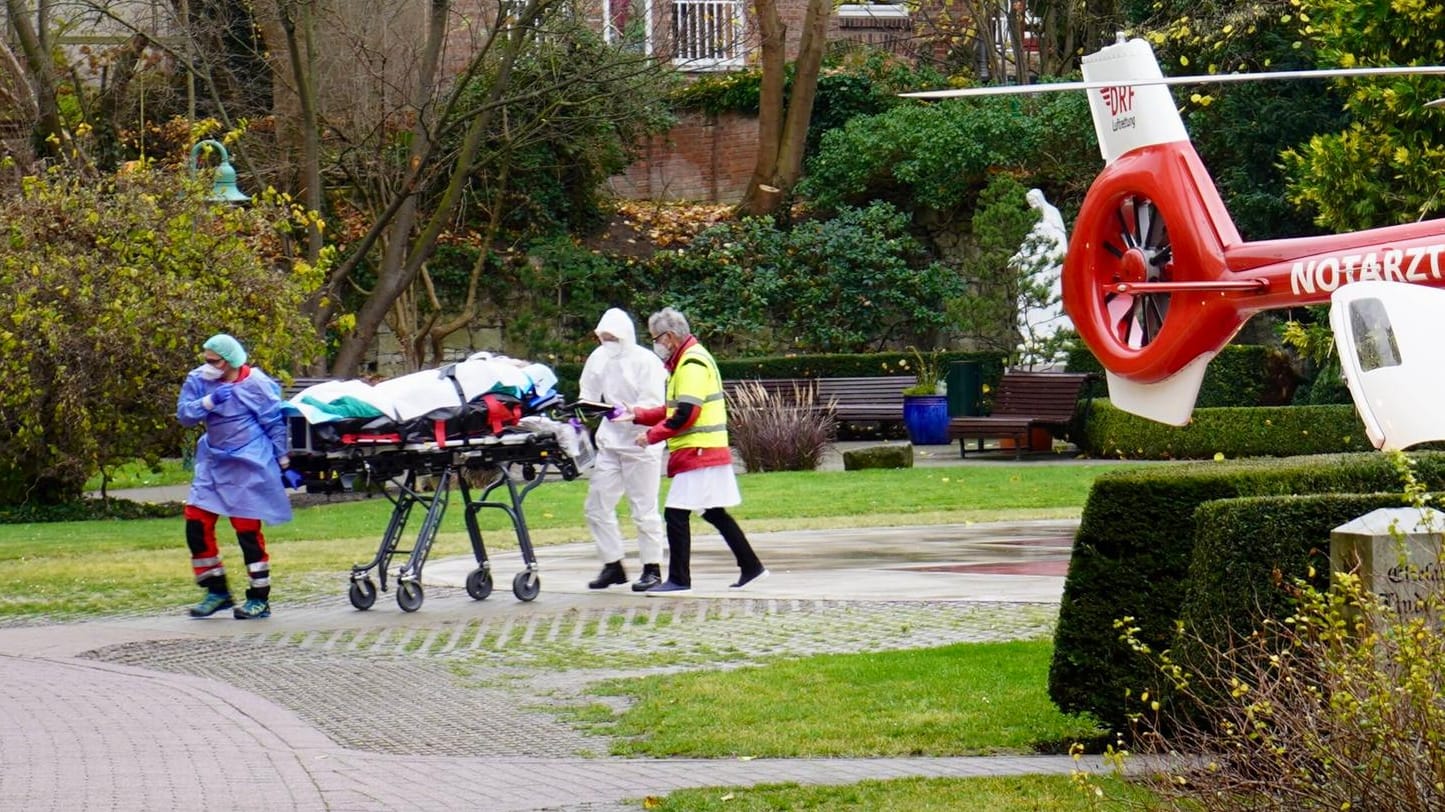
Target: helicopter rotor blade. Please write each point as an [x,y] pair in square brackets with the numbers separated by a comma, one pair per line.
[1205,79]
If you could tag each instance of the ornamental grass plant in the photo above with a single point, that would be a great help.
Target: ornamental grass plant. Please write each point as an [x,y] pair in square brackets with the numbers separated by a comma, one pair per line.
[787,430]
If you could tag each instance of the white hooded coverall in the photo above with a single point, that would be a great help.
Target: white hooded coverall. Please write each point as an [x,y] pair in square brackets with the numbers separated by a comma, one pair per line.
[620,372]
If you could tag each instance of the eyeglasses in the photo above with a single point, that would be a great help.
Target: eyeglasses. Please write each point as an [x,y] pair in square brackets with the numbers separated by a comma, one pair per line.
[658,337]
[215,362]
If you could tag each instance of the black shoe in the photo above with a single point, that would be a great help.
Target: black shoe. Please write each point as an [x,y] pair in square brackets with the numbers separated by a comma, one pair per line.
[612,573]
[669,588]
[651,577]
[748,579]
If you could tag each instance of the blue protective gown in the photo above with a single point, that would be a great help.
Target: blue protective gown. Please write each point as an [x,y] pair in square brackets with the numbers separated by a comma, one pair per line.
[237,473]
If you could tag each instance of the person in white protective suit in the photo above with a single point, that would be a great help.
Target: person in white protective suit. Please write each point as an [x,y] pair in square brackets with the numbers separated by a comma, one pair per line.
[241,472]
[624,374]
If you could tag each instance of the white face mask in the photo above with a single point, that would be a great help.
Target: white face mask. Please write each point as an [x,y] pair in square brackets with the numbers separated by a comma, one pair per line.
[612,348]
[211,372]
[661,350]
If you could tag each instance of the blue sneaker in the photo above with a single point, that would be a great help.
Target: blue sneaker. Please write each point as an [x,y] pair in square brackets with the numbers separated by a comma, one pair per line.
[252,609]
[669,588]
[212,603]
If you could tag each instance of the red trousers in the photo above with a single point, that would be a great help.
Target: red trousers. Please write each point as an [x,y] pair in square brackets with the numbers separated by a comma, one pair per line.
[206,556]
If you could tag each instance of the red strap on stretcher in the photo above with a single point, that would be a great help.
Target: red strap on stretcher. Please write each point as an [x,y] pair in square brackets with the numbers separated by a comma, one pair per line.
[501,414]
[361,439]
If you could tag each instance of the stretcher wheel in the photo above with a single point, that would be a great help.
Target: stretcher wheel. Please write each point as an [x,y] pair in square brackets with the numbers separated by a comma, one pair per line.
[363,594]
[409,596]
[479,584]
[526,585]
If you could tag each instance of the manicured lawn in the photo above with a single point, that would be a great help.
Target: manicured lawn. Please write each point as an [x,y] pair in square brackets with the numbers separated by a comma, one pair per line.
[965,699]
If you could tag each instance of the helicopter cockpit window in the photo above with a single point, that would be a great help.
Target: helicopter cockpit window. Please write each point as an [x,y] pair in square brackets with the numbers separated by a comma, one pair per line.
[1373,336]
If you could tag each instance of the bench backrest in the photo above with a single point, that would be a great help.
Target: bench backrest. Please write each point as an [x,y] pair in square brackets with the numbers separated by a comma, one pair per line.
[1052,396]
[298,384]
[872,398]
[871,391]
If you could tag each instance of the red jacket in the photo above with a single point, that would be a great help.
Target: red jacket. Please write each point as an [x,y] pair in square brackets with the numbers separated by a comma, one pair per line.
[683,459]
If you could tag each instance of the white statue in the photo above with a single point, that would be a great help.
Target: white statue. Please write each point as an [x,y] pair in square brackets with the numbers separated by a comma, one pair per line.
[1041,259]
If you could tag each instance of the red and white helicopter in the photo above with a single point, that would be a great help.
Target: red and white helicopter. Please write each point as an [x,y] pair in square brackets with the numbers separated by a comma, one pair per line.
[1157,279]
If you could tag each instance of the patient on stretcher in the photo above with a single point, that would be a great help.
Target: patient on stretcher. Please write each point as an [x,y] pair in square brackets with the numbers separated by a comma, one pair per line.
[486,398]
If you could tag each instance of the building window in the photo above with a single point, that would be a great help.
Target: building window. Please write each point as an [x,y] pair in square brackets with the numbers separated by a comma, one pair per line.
[707,34]
[873,11]
[629,24]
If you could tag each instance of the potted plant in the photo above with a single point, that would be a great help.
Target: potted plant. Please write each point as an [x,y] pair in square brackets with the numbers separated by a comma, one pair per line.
[925,405]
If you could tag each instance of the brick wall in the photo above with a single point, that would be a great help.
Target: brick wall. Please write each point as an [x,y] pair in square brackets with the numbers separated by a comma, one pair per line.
[703,158]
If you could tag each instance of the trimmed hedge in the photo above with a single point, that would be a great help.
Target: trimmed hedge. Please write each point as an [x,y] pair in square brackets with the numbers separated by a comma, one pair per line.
[1248,553]
[1241,375]
[838,365]
[1134,549]
[88,509]
[1259,431]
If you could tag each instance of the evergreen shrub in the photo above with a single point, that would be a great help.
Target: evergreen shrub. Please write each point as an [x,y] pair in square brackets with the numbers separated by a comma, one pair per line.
[1248,553]
[838,365]
[1241,375]
[1134,549]
[1260,431]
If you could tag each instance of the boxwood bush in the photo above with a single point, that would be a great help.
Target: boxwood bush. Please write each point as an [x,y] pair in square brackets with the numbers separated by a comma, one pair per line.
[835,365]
[1135,546]
[1241,375]
[1259,431]
[1247,555]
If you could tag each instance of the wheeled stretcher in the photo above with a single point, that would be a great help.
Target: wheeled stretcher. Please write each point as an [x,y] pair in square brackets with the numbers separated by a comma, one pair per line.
[473,425]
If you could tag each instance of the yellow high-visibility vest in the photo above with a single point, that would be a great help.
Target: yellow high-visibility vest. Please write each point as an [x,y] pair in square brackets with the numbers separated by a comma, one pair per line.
[696,380]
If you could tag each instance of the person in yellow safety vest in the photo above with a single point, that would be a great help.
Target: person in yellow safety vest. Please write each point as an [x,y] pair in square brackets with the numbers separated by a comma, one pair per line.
[693,422]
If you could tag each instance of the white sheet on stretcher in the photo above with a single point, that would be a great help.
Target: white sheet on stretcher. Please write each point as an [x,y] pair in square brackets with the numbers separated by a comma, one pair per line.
[311,402]
[431,392]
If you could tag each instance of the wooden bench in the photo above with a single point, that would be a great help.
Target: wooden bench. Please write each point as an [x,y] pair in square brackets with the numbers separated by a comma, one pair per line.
[1024,401]
[298,384]
[876,399]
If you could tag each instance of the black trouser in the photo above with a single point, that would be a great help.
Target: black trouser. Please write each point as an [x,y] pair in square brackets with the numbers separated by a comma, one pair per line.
[679,542]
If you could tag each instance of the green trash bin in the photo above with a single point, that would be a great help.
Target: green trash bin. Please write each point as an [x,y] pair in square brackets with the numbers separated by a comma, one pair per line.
[965,389]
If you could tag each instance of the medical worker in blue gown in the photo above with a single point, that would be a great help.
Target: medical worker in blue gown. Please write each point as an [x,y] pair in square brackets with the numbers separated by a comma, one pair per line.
[241,460]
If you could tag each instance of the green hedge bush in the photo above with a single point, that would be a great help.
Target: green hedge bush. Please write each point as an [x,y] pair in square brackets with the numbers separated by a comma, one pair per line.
[1241,375]
[839,365]
[1135,546]
[1247,554]
[1259,431]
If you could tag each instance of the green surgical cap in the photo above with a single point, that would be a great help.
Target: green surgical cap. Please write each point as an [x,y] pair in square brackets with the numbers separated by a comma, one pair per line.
[228,348]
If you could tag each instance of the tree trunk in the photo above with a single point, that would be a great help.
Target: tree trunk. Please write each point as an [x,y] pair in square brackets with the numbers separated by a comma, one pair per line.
[763,193]
[298,22]
[783,123]
[112,99]
[805,91]
[51,136]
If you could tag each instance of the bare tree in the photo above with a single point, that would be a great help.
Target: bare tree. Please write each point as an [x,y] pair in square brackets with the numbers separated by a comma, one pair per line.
[396,111]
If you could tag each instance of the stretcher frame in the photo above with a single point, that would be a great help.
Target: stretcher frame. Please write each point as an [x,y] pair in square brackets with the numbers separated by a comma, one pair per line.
[517,455]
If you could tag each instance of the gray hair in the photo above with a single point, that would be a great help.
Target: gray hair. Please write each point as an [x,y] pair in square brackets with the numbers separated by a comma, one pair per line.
[668,320]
